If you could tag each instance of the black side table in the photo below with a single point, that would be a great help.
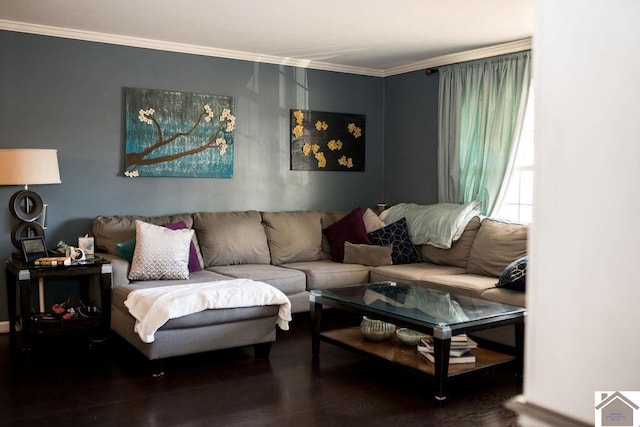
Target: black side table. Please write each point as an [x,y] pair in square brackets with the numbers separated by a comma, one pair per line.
[21,281]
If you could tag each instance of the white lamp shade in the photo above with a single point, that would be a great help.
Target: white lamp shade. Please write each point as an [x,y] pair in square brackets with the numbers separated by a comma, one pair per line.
[24,166]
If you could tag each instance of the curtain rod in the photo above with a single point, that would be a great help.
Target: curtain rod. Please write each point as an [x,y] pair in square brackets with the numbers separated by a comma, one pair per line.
[471,55]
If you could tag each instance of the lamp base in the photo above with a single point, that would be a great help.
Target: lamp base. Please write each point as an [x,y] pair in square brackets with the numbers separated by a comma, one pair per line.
[26,206]
[25,229]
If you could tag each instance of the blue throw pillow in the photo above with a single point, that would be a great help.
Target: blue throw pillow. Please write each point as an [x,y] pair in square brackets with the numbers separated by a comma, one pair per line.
[514,276]
[396,235]
[126,249]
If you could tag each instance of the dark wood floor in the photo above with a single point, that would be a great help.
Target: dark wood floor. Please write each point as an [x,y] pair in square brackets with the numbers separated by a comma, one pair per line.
[65,383]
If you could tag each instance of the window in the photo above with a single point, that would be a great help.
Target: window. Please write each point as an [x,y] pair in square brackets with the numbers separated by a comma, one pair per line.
[517,204]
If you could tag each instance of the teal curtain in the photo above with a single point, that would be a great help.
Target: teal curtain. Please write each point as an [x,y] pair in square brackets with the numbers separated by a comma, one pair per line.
[480,112]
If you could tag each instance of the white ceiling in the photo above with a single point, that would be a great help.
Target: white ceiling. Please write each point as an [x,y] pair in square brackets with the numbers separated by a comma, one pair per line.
[370,37]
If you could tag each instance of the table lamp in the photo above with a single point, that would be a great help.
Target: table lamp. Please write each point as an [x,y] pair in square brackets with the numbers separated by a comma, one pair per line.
[23,166]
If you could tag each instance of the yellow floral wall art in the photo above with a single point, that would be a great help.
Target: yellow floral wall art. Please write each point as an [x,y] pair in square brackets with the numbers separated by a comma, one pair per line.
[327,141]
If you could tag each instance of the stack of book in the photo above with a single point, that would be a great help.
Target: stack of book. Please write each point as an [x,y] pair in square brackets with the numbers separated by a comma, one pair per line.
[53,261]
[460,351]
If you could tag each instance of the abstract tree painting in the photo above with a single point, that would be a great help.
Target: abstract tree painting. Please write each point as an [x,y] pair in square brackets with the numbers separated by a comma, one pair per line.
[178,134]
[327,141]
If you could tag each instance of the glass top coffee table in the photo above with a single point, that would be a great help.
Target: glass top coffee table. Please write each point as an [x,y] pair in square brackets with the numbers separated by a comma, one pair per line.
[440,314]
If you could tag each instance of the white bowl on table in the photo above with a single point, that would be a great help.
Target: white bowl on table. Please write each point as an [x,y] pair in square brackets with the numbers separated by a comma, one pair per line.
[376,330]
[409,336]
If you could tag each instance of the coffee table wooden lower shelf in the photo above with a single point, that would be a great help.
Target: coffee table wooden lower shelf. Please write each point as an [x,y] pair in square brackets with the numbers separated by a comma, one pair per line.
[394,351]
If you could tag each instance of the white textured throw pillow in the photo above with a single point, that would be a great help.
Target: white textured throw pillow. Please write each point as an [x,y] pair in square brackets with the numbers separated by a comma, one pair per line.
[160,253]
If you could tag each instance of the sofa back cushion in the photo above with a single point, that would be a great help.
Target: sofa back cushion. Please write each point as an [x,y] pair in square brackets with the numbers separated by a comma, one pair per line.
[109,230]
[294,236]
[458,254]
[496,245]
[229,238]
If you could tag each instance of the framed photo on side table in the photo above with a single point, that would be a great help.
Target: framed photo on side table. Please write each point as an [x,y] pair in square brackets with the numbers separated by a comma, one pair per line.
[86,244]
[33,248]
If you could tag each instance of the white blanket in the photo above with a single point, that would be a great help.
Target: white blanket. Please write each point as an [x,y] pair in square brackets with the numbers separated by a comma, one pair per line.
[153,307]
[439,224]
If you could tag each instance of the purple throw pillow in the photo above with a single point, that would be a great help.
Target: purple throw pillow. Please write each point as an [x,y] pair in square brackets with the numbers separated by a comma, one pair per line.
[348,229]
[194,263]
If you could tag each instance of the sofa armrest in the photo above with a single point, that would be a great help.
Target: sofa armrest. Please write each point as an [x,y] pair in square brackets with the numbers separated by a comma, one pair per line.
[119,269]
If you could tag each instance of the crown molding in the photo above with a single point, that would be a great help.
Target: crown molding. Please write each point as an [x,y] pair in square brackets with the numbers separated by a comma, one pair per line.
[69,33]
[469,55]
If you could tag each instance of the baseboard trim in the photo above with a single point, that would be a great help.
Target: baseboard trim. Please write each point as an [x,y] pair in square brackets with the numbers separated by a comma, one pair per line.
[4,327]
[532,415]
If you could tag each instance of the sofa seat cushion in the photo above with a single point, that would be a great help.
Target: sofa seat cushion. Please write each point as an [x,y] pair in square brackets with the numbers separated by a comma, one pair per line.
[412,273]
[221,317]
[228,238]
[505,296]
[120,292]
[119,268]
[212,317]
[472,285]
[294,236]
[327,274]
[287,280]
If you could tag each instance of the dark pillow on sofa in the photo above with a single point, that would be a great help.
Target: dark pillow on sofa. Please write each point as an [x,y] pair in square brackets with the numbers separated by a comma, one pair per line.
[348,229]
[194,262]
[126,249]
[397,235]
[514,275]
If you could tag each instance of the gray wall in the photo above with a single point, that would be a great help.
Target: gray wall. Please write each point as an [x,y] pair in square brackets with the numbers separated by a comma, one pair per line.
[411,138]
[66,94]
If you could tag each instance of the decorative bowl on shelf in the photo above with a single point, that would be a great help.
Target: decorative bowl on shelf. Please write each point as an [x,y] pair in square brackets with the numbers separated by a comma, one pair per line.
[376,330]
[409,336]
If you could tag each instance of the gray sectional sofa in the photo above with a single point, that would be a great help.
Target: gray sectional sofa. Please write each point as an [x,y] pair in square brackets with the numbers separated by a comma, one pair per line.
[289,251]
